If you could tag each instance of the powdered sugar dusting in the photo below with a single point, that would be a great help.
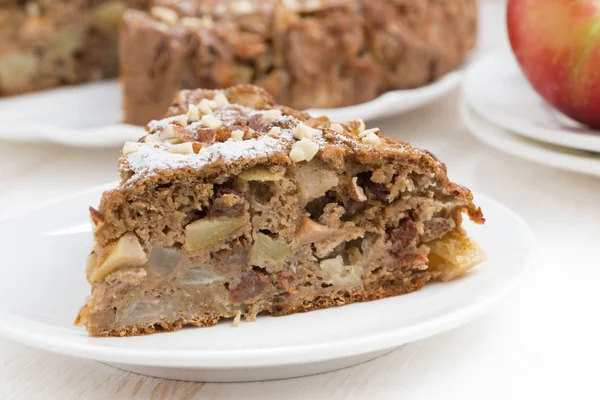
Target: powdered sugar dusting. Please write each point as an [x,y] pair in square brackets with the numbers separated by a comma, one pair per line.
[154,157]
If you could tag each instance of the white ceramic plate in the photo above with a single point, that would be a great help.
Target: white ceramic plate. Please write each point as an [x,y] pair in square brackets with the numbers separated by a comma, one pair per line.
[89,115]
[497,89]
[43,286]
[540,152]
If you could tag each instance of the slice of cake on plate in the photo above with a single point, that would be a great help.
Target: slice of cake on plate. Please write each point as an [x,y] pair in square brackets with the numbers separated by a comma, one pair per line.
[234,205]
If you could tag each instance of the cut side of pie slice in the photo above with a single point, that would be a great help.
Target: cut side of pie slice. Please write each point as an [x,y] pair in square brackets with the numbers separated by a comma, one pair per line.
[233,205]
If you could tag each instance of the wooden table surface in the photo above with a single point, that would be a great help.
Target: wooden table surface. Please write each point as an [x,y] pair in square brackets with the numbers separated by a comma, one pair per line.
[541,343]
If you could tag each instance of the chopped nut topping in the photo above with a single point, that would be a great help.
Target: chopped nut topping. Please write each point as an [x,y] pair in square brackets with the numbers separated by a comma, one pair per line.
[32,8]
[337,128]
[357,126]
[193,113]
[371,138]
[368,132]
[297,154]
[221,100]
[237,319]
[308,147]
[130,147]
[237,134]
[182,148]
[356,192]
[181,119]
[305,131]
[96,218]
[165,15]
[205,22]
[167,133]
[270,115]
[205,107]
[275,131]
[242,7]
[210,121]
[151,138]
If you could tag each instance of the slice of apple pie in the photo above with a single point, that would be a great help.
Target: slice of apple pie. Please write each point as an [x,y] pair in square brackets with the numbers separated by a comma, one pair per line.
[233,205]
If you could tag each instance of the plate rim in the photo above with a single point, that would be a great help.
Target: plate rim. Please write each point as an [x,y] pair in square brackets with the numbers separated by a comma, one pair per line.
[23,330]
[579,141]
[525,148]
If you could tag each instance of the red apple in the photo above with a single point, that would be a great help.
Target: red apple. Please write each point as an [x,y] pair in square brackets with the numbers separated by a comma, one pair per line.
[557,44]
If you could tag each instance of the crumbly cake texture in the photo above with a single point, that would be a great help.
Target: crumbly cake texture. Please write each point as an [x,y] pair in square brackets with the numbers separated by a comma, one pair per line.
[48,43]
[233,205]
[306,53]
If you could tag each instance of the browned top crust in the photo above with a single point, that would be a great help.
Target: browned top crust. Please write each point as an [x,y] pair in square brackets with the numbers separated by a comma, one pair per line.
[244,128]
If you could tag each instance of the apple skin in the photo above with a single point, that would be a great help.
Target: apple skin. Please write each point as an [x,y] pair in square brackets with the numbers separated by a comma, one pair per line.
[557,44]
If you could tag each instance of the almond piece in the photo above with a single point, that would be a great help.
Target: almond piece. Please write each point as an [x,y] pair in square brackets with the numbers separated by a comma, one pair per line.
[297,154]
[205,107]
[356,192]
[305,131]
[193,113]
[309,148]
[175,134]
[220,100]
[180,119]
[270,115]
[237,135]
[368,132]
[182,148]
[130,147]
[96,218]
[210,121]
[152,138]
[372,139]
[337,128]
[205,22]
[165,15]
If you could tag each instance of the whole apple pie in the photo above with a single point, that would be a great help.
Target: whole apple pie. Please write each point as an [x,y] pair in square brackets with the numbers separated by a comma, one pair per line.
[234,205]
